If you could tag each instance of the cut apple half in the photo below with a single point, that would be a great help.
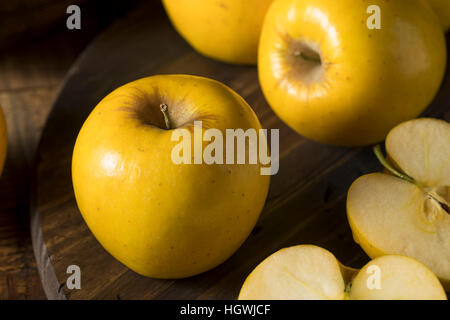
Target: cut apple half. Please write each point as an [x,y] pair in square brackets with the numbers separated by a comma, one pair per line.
[307,272]
[407,212]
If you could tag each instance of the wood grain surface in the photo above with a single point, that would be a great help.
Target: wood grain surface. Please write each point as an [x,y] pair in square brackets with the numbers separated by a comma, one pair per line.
[29,79]
[32,67]
[25,20]
[306,202]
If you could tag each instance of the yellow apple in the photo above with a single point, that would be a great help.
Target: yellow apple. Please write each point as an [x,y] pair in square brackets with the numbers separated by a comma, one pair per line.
[407,212]
[442,9]
[3,140]
[307,272]
[225,30]
[334,80]
[159,218]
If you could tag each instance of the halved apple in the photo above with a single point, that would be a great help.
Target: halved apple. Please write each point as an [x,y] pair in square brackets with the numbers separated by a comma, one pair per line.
[407,212]
[307,272]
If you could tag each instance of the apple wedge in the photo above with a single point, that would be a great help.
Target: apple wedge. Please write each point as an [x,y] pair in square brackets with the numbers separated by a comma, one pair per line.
[307,272]
[407,212]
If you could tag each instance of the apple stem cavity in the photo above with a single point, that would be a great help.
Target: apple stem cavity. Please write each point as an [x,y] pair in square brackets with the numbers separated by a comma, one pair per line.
[165,111]
[388,166]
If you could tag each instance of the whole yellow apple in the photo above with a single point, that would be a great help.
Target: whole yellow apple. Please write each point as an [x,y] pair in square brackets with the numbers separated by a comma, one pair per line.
[160,218]
[3,140]
[225,30]
[442,9]
[334,77]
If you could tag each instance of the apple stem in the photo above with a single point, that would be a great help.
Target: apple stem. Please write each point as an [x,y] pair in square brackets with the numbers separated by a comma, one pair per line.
[165,111]
[309,58]
[388,166]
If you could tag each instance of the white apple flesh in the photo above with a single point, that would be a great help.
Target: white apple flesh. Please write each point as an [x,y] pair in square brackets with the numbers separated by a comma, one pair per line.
[307,272]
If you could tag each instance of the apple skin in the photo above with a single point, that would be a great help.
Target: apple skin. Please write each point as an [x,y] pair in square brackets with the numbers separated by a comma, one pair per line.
[368,80]
[3,140]
[160,219]
[442,9]
[224,30]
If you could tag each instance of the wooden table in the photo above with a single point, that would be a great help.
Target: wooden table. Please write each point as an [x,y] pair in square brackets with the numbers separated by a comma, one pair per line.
[30,77]
[29,80]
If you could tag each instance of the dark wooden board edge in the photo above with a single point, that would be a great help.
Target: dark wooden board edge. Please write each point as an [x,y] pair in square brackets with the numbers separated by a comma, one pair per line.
[47,274]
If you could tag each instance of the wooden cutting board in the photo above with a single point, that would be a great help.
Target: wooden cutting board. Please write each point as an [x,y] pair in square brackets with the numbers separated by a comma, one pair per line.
[306,202]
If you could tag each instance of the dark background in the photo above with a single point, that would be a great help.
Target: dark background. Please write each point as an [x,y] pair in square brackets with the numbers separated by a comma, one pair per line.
[36,50]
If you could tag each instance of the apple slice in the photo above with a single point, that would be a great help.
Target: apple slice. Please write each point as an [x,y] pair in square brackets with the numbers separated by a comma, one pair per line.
[307,272]
[408,213]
